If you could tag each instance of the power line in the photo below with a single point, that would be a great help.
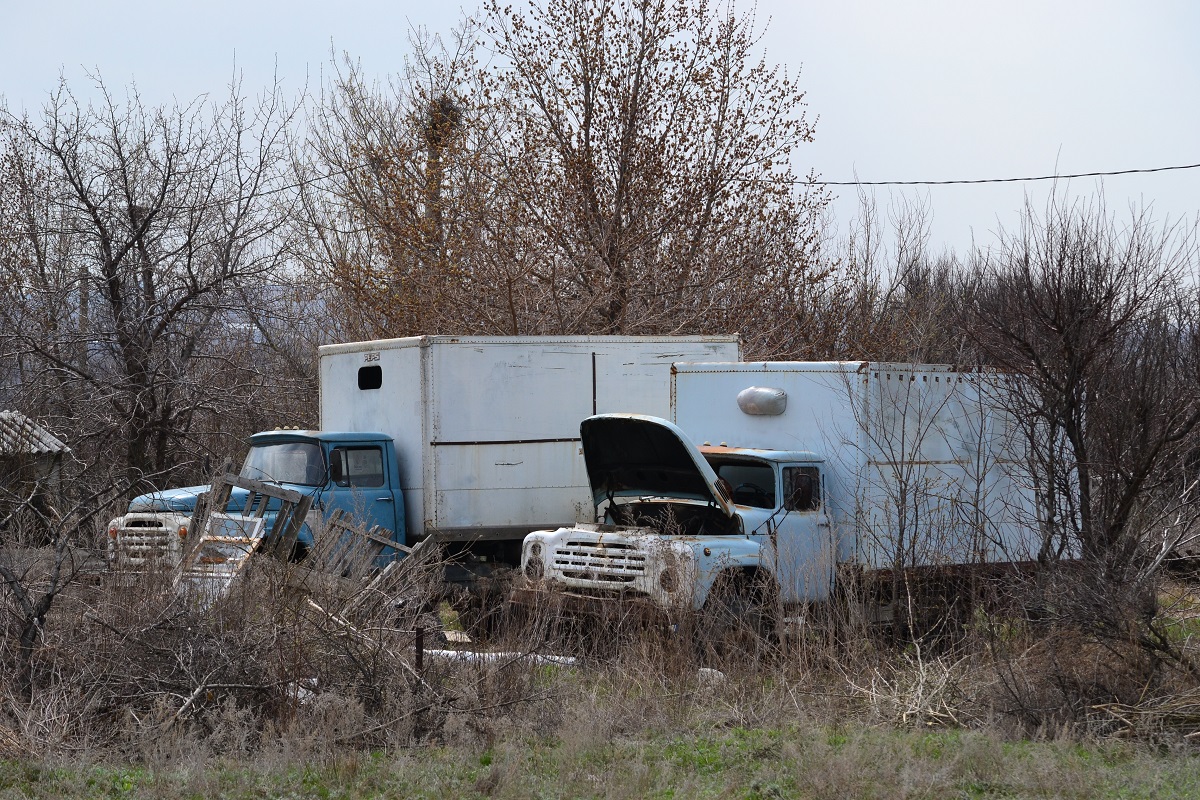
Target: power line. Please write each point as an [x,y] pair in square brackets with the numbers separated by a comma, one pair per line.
[963,182]
[304,182]
[1005,180]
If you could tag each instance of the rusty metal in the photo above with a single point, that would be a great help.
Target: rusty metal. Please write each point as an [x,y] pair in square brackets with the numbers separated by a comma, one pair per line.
[758,453]
[223,541]
[555,599]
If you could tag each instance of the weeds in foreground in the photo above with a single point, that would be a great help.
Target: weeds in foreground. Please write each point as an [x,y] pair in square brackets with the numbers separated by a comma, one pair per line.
[286,671]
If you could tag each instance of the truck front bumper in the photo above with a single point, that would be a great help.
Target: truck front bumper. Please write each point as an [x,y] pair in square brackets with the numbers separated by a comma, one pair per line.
[550,598]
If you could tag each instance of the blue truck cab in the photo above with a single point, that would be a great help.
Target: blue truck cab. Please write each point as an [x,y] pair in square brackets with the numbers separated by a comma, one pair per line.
[356,472]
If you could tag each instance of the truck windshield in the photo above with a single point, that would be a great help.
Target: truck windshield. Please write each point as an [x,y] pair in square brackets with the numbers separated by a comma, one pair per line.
[286,462]
[753,484]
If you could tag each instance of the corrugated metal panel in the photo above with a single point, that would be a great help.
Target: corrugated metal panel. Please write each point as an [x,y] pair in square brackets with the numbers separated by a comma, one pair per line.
[19,435]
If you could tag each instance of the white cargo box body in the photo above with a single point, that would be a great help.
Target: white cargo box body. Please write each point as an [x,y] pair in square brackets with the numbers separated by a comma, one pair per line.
[920,467]
[487,428]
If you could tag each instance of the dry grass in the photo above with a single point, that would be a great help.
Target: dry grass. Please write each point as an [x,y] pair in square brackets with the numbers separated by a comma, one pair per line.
[276,676]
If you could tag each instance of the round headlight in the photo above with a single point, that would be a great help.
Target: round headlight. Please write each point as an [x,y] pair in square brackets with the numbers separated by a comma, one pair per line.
[534,568]
[668,581]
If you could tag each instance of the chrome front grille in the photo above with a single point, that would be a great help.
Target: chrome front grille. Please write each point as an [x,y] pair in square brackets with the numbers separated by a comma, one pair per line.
[138,550]
[610,562]
[141,541]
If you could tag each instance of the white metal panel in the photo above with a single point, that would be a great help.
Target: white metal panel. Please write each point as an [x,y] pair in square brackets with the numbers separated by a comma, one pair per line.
[819,414]
[941,488]
[533,485]
[509,391]
[505,417]
[629,379]
[395,408]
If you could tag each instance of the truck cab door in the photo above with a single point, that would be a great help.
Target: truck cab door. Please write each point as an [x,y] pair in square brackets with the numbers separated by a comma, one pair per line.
[801,541]
[359,485]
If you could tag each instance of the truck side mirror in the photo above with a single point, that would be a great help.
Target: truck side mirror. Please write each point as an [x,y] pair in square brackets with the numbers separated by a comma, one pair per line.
[336,474]
[802,493]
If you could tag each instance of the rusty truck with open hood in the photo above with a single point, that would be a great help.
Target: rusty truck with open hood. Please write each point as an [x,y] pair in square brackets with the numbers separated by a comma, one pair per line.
[776,483]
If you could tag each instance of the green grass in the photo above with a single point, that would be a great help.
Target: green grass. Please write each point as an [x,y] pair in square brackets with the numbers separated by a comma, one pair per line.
[1179,613]
[738,763]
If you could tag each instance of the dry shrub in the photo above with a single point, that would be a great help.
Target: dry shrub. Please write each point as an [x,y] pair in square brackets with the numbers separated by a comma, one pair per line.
[1170,719]
[1050,680]
[1072,644]
[915,690]
[295,667]
[125,664]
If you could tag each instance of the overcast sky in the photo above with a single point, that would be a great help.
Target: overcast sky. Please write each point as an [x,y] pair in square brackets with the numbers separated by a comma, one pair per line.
[917,90]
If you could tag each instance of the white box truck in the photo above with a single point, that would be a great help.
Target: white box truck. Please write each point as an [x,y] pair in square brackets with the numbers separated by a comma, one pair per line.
[486,429]
[775,480]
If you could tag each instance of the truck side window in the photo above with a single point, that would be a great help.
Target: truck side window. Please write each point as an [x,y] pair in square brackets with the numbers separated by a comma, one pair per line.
[357,466]
[801,488]
[370,377]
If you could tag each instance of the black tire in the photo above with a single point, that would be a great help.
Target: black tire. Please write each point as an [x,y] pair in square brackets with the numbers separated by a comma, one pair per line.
[738,620]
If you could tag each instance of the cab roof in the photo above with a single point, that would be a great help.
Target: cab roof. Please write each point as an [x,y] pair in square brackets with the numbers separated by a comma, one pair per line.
[283,435]
[783,456]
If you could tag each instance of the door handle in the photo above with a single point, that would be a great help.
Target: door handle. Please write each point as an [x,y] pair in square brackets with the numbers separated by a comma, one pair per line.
[383,500]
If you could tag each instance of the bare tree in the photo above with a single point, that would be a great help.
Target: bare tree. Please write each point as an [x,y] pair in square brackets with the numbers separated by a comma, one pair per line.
[888,296]
[128,231]
[32,579]
[399,194]
[1098,323]
[142,263]
[650,168]
[616,168]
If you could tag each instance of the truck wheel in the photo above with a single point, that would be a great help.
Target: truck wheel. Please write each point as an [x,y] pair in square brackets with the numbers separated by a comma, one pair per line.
[738,619]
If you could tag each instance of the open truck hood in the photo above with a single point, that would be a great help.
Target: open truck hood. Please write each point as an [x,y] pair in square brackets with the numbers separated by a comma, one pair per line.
[632,455]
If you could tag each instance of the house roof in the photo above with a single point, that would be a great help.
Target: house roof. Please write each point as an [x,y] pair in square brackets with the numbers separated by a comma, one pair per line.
[19,435]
